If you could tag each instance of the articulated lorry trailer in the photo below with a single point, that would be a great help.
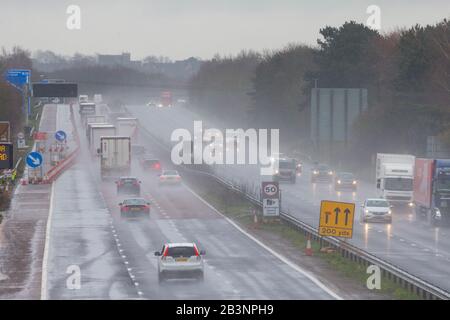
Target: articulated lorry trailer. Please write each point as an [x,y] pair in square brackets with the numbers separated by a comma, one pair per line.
[432,190]
[96,131]
[394,177]
[115,156]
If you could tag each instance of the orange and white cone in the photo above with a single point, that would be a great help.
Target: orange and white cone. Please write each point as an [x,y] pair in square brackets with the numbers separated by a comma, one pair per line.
[308,250]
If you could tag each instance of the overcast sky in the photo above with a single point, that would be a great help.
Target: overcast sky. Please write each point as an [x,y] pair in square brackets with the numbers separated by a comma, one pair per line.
[200,28]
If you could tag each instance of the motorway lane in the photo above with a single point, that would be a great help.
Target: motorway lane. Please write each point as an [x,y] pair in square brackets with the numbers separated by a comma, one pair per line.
[81,236]
[236,267]
[410,244]
[115,255]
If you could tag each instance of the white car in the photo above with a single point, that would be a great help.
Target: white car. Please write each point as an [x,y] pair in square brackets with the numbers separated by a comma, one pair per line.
[377,210]
[180,260]
[169,177]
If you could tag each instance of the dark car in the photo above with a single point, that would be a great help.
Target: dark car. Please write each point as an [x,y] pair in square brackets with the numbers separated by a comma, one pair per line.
[129,185]
[345,180]
[322,173]
[134,207]
[151,164]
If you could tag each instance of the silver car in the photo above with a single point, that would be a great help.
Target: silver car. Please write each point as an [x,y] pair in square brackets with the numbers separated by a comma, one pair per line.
[180,260]
[376,210]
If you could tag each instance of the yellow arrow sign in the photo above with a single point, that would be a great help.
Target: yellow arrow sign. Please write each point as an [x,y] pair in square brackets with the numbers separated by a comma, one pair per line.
[336,219]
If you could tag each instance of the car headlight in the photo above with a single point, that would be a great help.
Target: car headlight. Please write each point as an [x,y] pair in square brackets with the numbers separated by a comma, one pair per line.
[276,171]
[366,211]
[330,172]
[390,212]
[315,172]
[354,181]
[339,181]
[438,213]
[411,204]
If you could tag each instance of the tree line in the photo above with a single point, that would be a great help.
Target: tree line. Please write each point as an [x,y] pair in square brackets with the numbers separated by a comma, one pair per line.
[11,104]
[406,72]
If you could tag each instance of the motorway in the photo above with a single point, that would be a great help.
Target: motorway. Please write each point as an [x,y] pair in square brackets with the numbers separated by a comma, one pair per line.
[115,256]
[412,245]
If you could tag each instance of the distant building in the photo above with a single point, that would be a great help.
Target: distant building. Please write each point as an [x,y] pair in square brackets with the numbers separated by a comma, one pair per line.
[124,60]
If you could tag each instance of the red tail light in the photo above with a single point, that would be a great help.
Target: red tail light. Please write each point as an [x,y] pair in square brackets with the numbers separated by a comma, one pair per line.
[162,178]
[156,166]
[125,208]
[146,206]
[178,178]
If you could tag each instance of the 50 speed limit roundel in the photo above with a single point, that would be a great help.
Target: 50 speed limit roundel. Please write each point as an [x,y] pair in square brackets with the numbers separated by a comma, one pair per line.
[270,189]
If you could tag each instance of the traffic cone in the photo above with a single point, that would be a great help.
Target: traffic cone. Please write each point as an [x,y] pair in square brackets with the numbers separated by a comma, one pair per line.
[308,250]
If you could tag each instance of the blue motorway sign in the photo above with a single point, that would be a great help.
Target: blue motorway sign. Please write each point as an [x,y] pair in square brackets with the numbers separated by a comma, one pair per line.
[17,77]
[60,136]
[34,159]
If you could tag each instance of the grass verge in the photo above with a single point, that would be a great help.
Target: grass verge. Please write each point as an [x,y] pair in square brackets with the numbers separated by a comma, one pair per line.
[239,209]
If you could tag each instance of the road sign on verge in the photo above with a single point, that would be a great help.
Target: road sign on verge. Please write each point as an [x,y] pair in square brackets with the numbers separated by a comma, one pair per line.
[34,159]
[6,156]
[60,136]
[17,77]
[271,199]
[336,219]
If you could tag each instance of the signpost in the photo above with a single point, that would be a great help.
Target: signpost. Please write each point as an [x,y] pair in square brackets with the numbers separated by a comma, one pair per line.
[34,159]
[336,219]
[20,79]
[21,143]
[6,155]
[271,199]
[60,136]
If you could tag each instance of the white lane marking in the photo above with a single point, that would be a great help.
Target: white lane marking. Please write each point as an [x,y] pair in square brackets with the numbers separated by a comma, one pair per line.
[279,256]
[402,240]
[46,247]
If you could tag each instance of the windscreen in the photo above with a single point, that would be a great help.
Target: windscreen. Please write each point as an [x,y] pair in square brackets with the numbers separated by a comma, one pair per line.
[443,182]
[170,173]
[181,252]
[287,165]
[398,184]
[377,203]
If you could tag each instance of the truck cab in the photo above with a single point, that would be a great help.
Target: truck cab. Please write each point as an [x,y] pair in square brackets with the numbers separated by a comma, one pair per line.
[394,178]
[285,169]
[432,190]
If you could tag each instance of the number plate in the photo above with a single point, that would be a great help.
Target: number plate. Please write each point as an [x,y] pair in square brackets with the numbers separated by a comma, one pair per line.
[181,259]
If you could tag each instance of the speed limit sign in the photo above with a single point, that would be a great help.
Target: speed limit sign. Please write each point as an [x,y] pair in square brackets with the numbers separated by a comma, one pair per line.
[270,198]
[270,190]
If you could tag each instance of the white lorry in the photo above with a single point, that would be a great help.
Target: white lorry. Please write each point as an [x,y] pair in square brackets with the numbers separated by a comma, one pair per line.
[115,156]
[98,98]
[96,132]
[394,177]
[94,119]
[127,127]
[83,98]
